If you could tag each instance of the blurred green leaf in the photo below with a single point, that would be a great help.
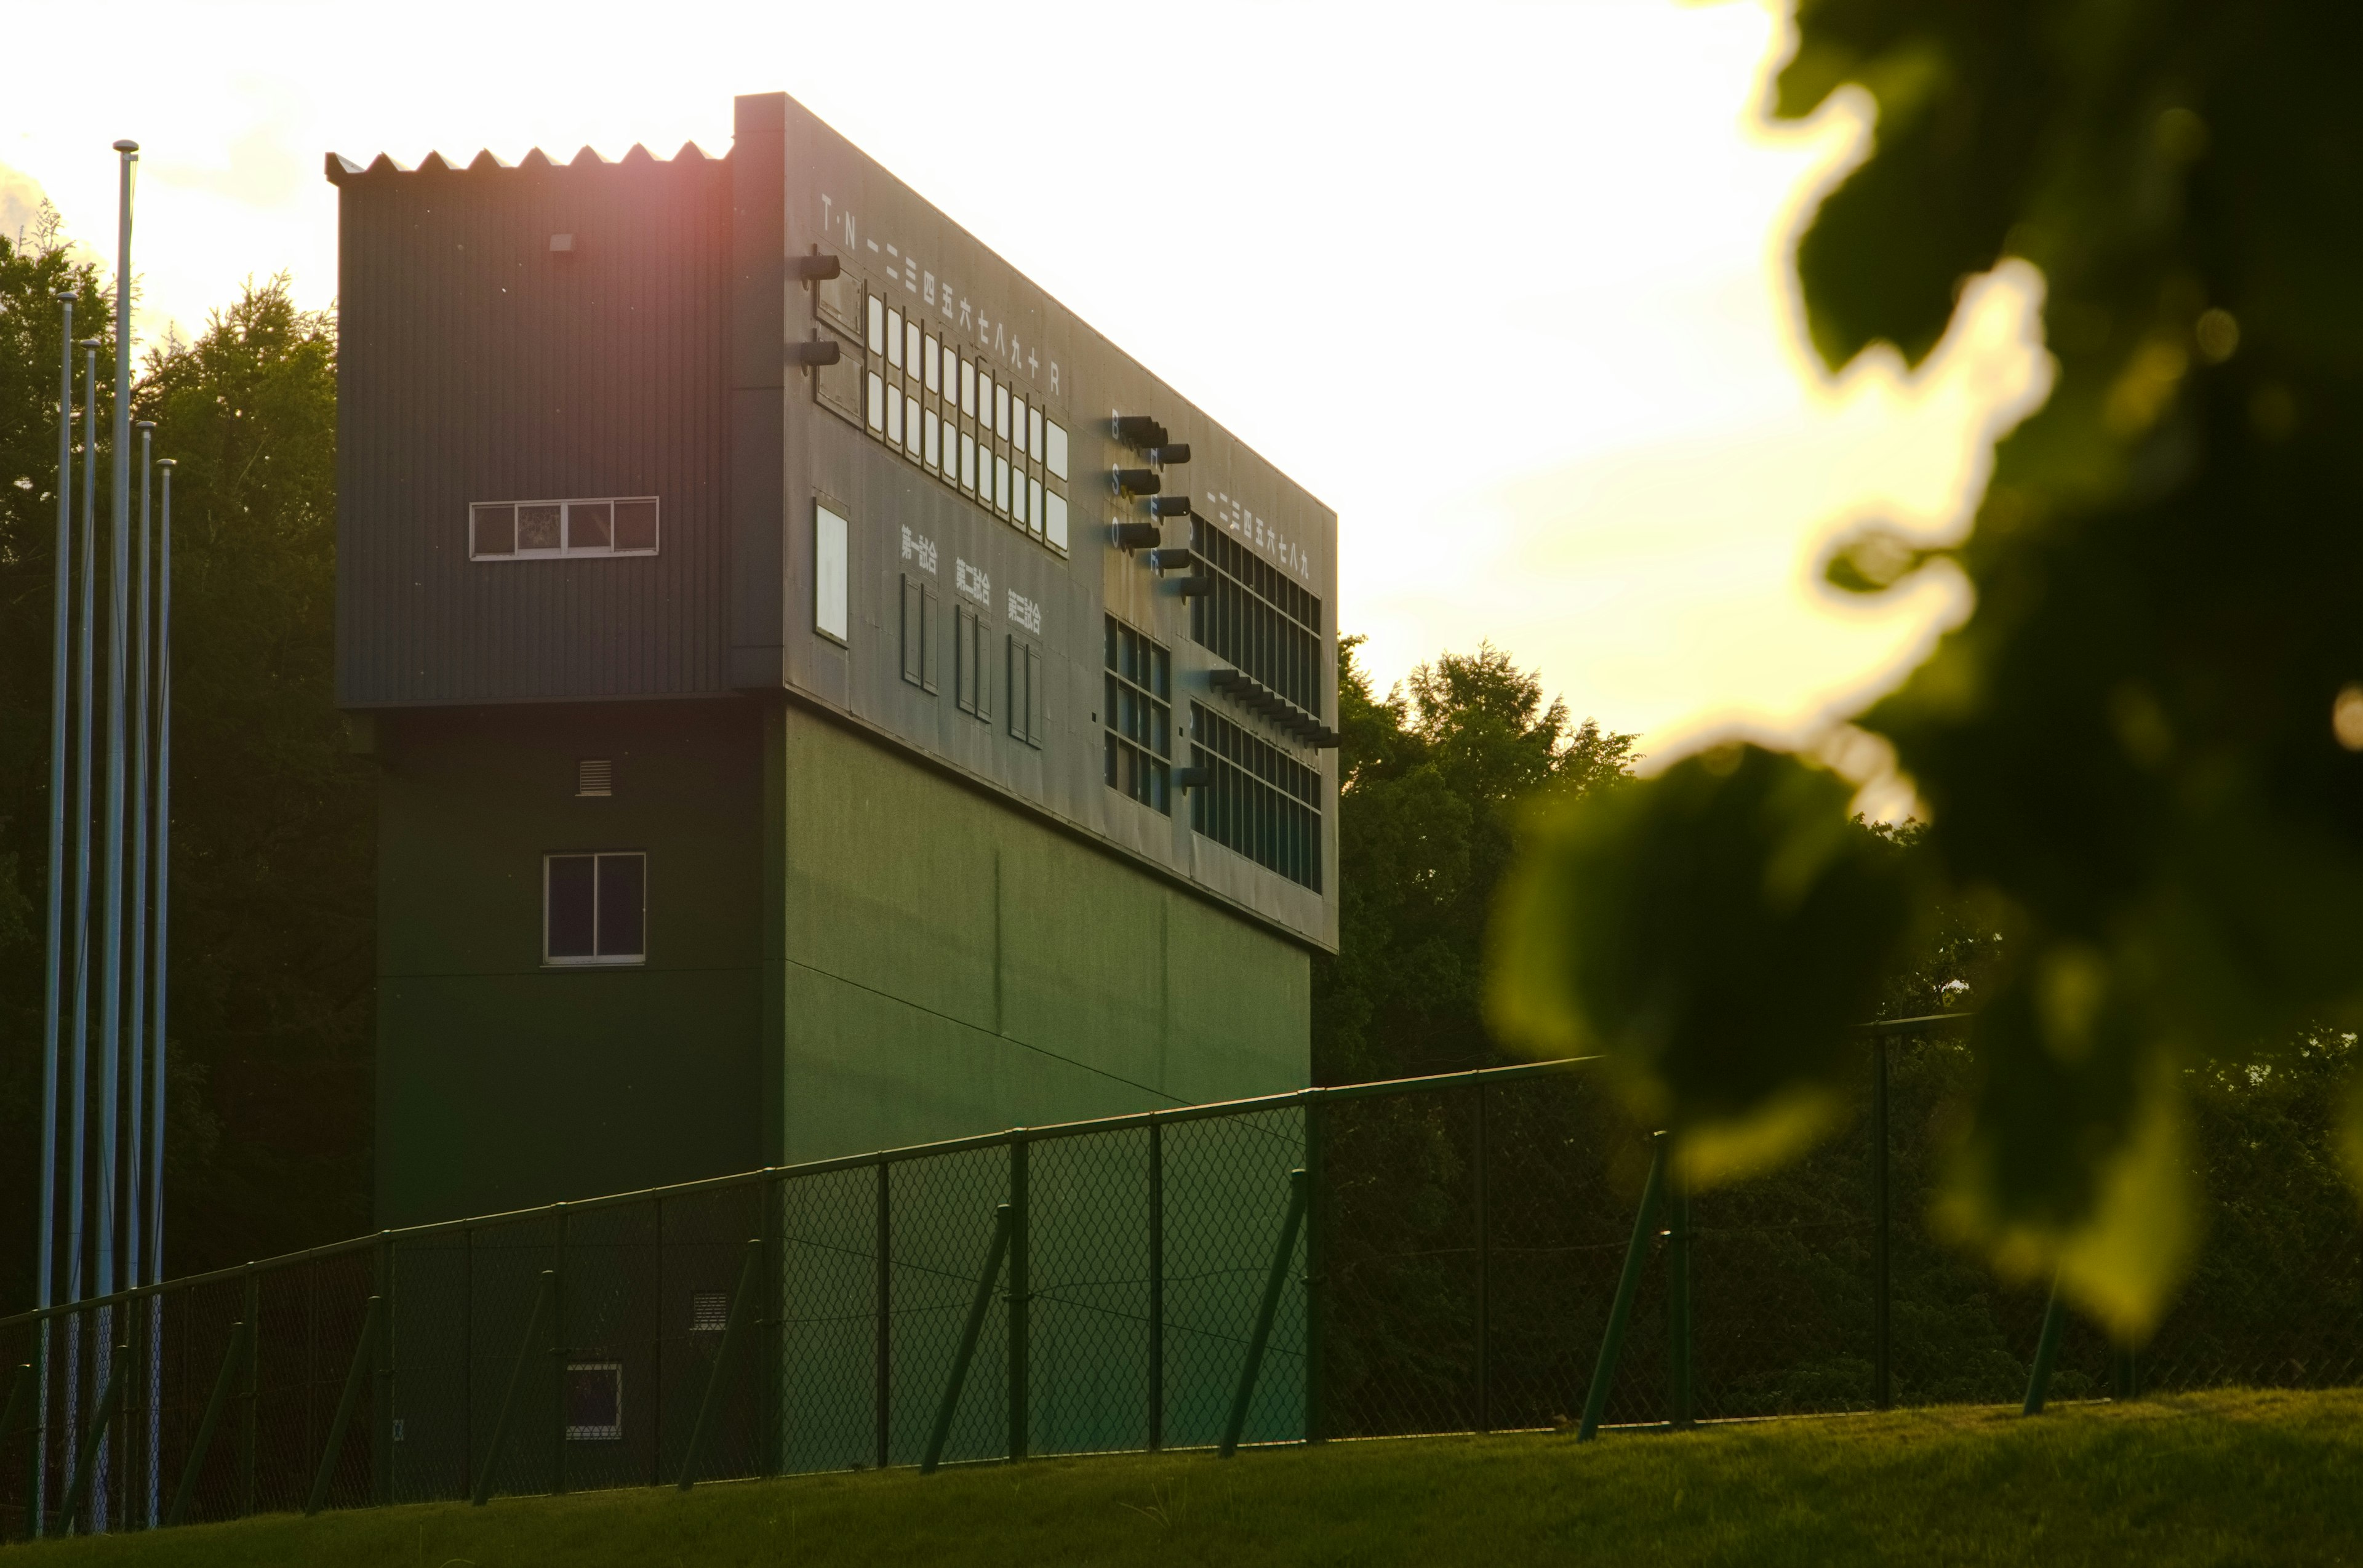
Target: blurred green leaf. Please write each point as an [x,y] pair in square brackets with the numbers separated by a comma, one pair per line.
[1713,931]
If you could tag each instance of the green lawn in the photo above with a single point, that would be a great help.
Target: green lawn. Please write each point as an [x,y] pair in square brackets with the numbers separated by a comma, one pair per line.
[2234,1477]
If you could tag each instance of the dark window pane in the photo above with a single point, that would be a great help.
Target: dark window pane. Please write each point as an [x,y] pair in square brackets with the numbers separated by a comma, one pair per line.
[538,527]
[496,529]
[567,927]
[620,905]
[587,525]
[635,525]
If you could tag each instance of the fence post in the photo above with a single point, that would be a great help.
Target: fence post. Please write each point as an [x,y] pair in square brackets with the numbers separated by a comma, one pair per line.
[884,1323]
[381,1387]
[1155,1285]
[541,1305]
[2047,1347]
[1628,1284]
[557,1357]
[1679,1345]
[2124,1373]
[1883,1380]
[1005,1223]
[1299,1194]
[248,1416]
[364,1362]
[1020,1288]
[1316,1218]
[241,1340]
[771,1192]
[714,1377]
[1484,1272]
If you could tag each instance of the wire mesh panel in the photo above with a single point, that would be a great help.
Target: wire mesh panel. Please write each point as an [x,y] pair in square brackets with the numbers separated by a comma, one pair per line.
[1564,1173]
[1405,1264]
[942,1211]
[1087,1235]
[1226,1192]
[830,1338]
[1781,1287]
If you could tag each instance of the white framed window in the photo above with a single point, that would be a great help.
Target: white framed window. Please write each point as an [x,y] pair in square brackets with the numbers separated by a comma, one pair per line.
[547,530]
[877,325]
[928,361]
[894,339]
[911,425]
[1017,513]
[1017,428]
[1034,432]
[830,575]
[1054,448]
[894,416]
[968,388]
[934,453]
[594,909]
[1054,518]
[595,1401]
[1033,497]
[912,348]
[1001,410]
[877,404]
[985,399]
[1001,485]
[968,462]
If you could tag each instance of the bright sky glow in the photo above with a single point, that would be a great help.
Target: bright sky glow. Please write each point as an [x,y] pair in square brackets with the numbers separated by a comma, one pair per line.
[1507,284]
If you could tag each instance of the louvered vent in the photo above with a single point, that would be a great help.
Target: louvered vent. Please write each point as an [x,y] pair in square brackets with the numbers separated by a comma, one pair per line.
[594,778]
[709,1311]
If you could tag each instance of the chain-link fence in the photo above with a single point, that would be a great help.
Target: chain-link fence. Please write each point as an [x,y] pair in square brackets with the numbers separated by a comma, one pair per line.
[1435,1255]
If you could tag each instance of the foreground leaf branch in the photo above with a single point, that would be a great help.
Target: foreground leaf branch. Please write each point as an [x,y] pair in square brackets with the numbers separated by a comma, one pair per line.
[2140,753]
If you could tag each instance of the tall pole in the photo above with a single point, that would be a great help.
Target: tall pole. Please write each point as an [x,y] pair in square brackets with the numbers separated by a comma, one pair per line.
[110,977]
[46,1237]
[155,1006]
[135,1123]
[77,1158]
[134,1077]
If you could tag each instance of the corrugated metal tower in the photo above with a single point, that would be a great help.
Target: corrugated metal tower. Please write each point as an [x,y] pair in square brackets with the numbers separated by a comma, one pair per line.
[826,697]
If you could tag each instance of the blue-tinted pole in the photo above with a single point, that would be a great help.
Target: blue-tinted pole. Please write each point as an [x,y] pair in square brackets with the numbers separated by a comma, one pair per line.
[77,1156]
[156,1003]
[46,1230]
[135,1124]
[110,975]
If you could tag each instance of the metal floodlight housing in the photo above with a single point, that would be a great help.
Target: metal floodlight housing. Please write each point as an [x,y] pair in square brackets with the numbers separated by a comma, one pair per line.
[1168,507]
[1134,536]
[1135,481]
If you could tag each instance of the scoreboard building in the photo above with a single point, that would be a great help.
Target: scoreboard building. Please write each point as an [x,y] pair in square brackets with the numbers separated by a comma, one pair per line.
[825,697]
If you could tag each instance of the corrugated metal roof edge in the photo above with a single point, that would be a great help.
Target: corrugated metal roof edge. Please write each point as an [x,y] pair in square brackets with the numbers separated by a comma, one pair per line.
[340,169]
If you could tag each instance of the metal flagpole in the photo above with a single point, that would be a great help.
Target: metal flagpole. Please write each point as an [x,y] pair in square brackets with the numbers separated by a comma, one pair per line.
[134,1077]
[110,978]
[135,1040]
[155,1006]
[45,1261]
[77,1160]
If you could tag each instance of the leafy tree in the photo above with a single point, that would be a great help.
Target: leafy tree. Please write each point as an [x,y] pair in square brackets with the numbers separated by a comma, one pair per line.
[272,842]
[1433,780]
[2140,753]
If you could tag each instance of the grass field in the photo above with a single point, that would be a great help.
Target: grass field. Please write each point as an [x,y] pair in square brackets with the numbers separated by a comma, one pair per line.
[2234,1477]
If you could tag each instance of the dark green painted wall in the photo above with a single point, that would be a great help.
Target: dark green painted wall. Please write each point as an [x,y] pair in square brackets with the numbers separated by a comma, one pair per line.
[502,1082]
[847,952]
[953,966]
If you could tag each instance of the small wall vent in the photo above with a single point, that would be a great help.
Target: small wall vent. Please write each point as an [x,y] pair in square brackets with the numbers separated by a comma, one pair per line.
[594,778]
[709,1311]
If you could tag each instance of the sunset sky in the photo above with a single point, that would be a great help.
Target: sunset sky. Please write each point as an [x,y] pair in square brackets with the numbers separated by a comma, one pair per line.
[1505,285]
